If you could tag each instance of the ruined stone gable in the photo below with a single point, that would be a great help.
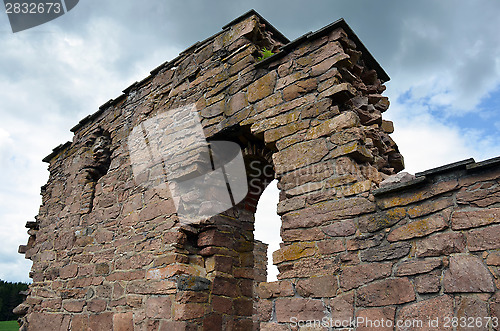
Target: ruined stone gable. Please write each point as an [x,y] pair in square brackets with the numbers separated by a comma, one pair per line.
[114,247]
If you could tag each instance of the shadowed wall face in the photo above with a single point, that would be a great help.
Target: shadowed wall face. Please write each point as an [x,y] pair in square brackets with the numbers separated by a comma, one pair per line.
[147,218]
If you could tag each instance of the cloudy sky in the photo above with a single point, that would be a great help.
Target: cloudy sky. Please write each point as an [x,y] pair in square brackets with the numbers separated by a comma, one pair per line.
[443,58]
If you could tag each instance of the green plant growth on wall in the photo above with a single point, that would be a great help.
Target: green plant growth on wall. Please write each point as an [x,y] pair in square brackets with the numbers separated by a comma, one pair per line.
[265,54]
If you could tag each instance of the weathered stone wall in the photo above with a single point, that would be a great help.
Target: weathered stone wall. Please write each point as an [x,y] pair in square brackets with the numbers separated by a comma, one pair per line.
[112,253]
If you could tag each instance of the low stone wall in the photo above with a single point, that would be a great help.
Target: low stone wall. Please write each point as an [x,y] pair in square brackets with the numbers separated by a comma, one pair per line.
[424,250]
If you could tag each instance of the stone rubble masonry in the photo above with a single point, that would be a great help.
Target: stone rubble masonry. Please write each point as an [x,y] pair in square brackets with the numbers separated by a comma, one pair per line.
[109,254]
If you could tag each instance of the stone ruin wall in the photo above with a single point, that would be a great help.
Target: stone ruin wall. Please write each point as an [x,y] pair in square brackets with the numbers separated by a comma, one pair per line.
[109,254]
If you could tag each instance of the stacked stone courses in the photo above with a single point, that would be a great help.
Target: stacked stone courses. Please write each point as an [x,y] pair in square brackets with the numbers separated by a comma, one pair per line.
[360,240]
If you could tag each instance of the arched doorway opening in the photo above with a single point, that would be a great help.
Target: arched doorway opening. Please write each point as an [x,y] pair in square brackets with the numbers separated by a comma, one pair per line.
[267,225]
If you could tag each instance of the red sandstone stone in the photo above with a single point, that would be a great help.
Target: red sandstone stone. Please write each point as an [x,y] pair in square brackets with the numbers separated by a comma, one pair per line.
[342,307]
[413,267]
[471,310]
[275,289]
[187,311]
[484,238]
[123,321]
[467,273]
[317,287]
[419,315]
[68,271]
[392,291]
[262,87]
[472,219]
[265,326]
[301,309]
[440,244]
[419,228]
[428,283]
[47,321]
[73,306]
[102,321]
[352,277]
[340,229]
[376,319]
[158,307]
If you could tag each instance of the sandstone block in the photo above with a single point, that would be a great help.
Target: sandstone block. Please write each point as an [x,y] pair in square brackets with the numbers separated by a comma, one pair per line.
[237,102]
[411,267]
[484,238]
[428,283]
[387,126]
[471,308]
[440,244]
[340,229]
[471,219]
[381,220]
[73,306]
[404,199]
[225,286]
[427,310]
[323,211]
[262,87]
[343,121]
[285,131]
[301,87]
[467,273]
[302,309]
[328,247]
[299,155]
[493,259]
[355,276]
[419,228]
[268,326]
[317,287]
[294,251]
[275,289]
[342,307]
[96,305]
[340,92]
[392,291]
[428,207]
[187,311]
[376,319]
[386,252]
[355,150]
[158,306]
[68,271]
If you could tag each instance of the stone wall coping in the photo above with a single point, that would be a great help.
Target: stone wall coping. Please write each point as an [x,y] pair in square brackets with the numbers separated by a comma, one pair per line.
[56,151]
[448,169]
[340,23]
[484,164]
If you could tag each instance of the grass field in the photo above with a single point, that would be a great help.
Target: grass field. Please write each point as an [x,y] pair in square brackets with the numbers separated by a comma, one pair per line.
[9,326]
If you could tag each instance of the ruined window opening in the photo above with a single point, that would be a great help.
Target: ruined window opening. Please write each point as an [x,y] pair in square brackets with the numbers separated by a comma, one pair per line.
[267,225]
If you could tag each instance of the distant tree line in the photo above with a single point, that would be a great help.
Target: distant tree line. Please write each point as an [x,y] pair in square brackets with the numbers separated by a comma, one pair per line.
[10,298]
